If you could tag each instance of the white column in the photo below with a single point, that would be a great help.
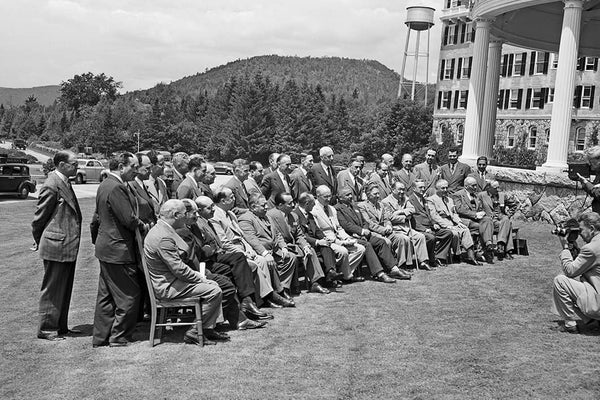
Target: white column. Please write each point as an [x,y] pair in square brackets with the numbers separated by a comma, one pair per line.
[476,90]
[560,123]
[490,101]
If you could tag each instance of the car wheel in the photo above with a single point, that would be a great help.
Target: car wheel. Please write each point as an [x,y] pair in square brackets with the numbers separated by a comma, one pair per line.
[24,192]
[79,179]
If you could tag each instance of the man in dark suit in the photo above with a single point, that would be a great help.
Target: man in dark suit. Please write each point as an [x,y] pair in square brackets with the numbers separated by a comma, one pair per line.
[236,184]
[180,168]
[380,178]
[255,175]
[189,189]
[323,173]
[428,171]
[349,178]
[207,180]
[56,229]
[438,239]
[406,175]
[272,164]
[157,187]
[113,229]
[277,181]
[378,250]
[300,177]
[482,176]
[454,172]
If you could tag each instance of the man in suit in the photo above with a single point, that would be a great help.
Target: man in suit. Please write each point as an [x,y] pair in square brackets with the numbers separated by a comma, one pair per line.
[188,188]
[330,261]
[438,239]
[471,211]
[113,228]
[339,240]
[286,223]
[143,200]
[443,213]
[323,174]
[277,181]
[380,179]
[255,175]
[207,180]
[349,178]
[265,240]
[157,187]
[232,239]
[492,202]
[398,210]
[300,177]
[406,175]
[180,162]
[378,249]
[454,172]
[272,164]
[482,176]
[56,229]
[428,171]
[172,279]
[592,188]
[236,184]
[576,289]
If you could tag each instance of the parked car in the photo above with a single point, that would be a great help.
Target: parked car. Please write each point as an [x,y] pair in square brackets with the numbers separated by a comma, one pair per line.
[88,170]
[222,167]
[16,179]
[19,144]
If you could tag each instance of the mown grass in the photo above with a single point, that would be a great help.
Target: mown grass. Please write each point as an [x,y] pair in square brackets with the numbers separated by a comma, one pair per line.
[460,332]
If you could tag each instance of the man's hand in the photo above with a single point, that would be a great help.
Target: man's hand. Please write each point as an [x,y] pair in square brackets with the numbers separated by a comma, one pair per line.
[388,230]
[285,253]
[307,249]
[461,225]
[436,227]
[365,232]
[270,260]
[582,179]
[563,242]
[479,215]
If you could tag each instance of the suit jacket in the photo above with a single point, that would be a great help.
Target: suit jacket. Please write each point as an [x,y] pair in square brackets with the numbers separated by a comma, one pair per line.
[443,212]
[239,192]
[177,179]
[420,219]
[206,190]
[345,179]
[114,223]
[455,180]
[492,210]
[208,236]
[329,224]
[261,233]
[407,178]
[188,189]
[401,220]
[163,249]
[482,182]
[464,206]
[252,187]
[320,177]
[351,219]
[309,227]
[229,231]
[144,204]
[587,266]
[300,183]
[374,216]
[289,228]
[383,185]
[159,196]
[272,184]
[421,171]
[56,224]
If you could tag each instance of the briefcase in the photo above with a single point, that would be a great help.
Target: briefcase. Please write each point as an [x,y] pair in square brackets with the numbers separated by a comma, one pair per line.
[521,247]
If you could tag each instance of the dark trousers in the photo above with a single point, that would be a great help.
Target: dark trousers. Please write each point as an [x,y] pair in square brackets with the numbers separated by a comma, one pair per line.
[371,257]
[484,227]
[384,252]
[438,244]
[235,268]
[229,301]
[326,257]
[55,297]
[117,303]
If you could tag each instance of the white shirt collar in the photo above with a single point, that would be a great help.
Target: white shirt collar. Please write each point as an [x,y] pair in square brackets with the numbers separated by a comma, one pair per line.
[117,176]
[62,176]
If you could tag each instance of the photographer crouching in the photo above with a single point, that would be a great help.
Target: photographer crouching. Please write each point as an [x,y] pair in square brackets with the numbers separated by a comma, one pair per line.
[576,291]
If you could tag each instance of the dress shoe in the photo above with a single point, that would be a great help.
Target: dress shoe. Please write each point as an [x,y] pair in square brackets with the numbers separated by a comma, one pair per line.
[509,256]
[211,334]
[70,332]
[286,295]
[278,299]
[51,336]
[250,324]
[334,284]
[192,338]
[570,329]
[353,279]
[440,263]
[272,304]
[400,274]
[488,254]
[251,311]
[425,266]
[119,343]
[383,277]
[473,261]
[333,275]
[316,288]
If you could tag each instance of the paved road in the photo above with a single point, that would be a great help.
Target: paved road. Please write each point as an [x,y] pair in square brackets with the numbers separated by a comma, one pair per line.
[41,157]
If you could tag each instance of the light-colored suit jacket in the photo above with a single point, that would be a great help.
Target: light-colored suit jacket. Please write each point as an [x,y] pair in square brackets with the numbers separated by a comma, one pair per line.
[261,234]
[252,187]
[188,189]
[398,213]
[345,179]
[170,276]
[374,216]
[421,171]
[329,225]
[56,225]
[229,231]
[443,212]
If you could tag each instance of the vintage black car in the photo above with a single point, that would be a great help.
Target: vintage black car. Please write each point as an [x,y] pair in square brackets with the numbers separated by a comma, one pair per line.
[16,179]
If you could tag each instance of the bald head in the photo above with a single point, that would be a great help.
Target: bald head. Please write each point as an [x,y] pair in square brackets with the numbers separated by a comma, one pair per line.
[206,207]
[171,209]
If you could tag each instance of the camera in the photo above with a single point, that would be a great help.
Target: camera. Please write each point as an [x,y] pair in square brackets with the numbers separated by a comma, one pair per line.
[581,168]
[568,229]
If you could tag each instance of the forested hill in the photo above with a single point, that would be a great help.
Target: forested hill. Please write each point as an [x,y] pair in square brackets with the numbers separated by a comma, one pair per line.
[370,80]
[45,95]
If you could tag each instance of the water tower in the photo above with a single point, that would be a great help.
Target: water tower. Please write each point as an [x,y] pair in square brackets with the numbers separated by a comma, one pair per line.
[418,18]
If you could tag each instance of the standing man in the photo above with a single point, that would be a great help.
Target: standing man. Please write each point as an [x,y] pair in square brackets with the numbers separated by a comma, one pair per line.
[144,205]
[454,172]
[272,164]
[380,179]
[255,175]
[300,176]
[482,177]
[180,168]
[323,174]
[428,171]
[56,229]
[207,180]
[592,188]
[113,230]
[406,175]
[277,181]
[349,178]
[236,184]
[188,188]
[157,187]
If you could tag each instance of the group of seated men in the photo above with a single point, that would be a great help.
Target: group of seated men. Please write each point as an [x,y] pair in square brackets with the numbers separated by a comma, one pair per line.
[262,228]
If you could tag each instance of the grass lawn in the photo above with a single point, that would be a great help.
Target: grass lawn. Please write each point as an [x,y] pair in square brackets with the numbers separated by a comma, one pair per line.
[460,332]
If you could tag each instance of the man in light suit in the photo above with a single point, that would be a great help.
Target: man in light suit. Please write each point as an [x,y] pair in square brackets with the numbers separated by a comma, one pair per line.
[255,175]
[443,214]
[380,178]
[428,171]
[492,202]
[180,168]
[56,229]
[300,177]
[188,188]
[113,229]
[339,240]
[323,174]
[454,172]
[482,176]
[350,178]
[157,187]
[576,290]
[277,181]
[406,175]
[265,240]
[236,184]
[172,279]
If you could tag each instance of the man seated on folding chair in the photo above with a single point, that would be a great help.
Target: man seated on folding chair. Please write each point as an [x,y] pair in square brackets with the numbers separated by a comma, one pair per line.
[172,279]
[492,202]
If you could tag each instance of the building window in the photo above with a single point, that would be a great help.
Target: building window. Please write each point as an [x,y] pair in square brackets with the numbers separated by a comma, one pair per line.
[442,130]
[460,133]
[462,99]
[465,72]
[514,101]
[518,64]
[448,68]
[532,140]
[541,63]
[551,95]
[584,97]
[469,32]
[591,64]
[446,97]
[510,137]
[554,63]
[450,34]
[580,139]
[535,98]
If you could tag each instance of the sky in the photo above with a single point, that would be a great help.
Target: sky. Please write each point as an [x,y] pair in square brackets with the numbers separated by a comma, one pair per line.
[144,42]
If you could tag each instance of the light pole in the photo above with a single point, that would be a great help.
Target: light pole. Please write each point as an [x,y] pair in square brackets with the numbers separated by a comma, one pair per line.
[138,140]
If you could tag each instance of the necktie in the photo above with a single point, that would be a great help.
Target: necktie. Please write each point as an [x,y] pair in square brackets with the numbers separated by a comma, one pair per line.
[326,209]
[430,169]
[452,168]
